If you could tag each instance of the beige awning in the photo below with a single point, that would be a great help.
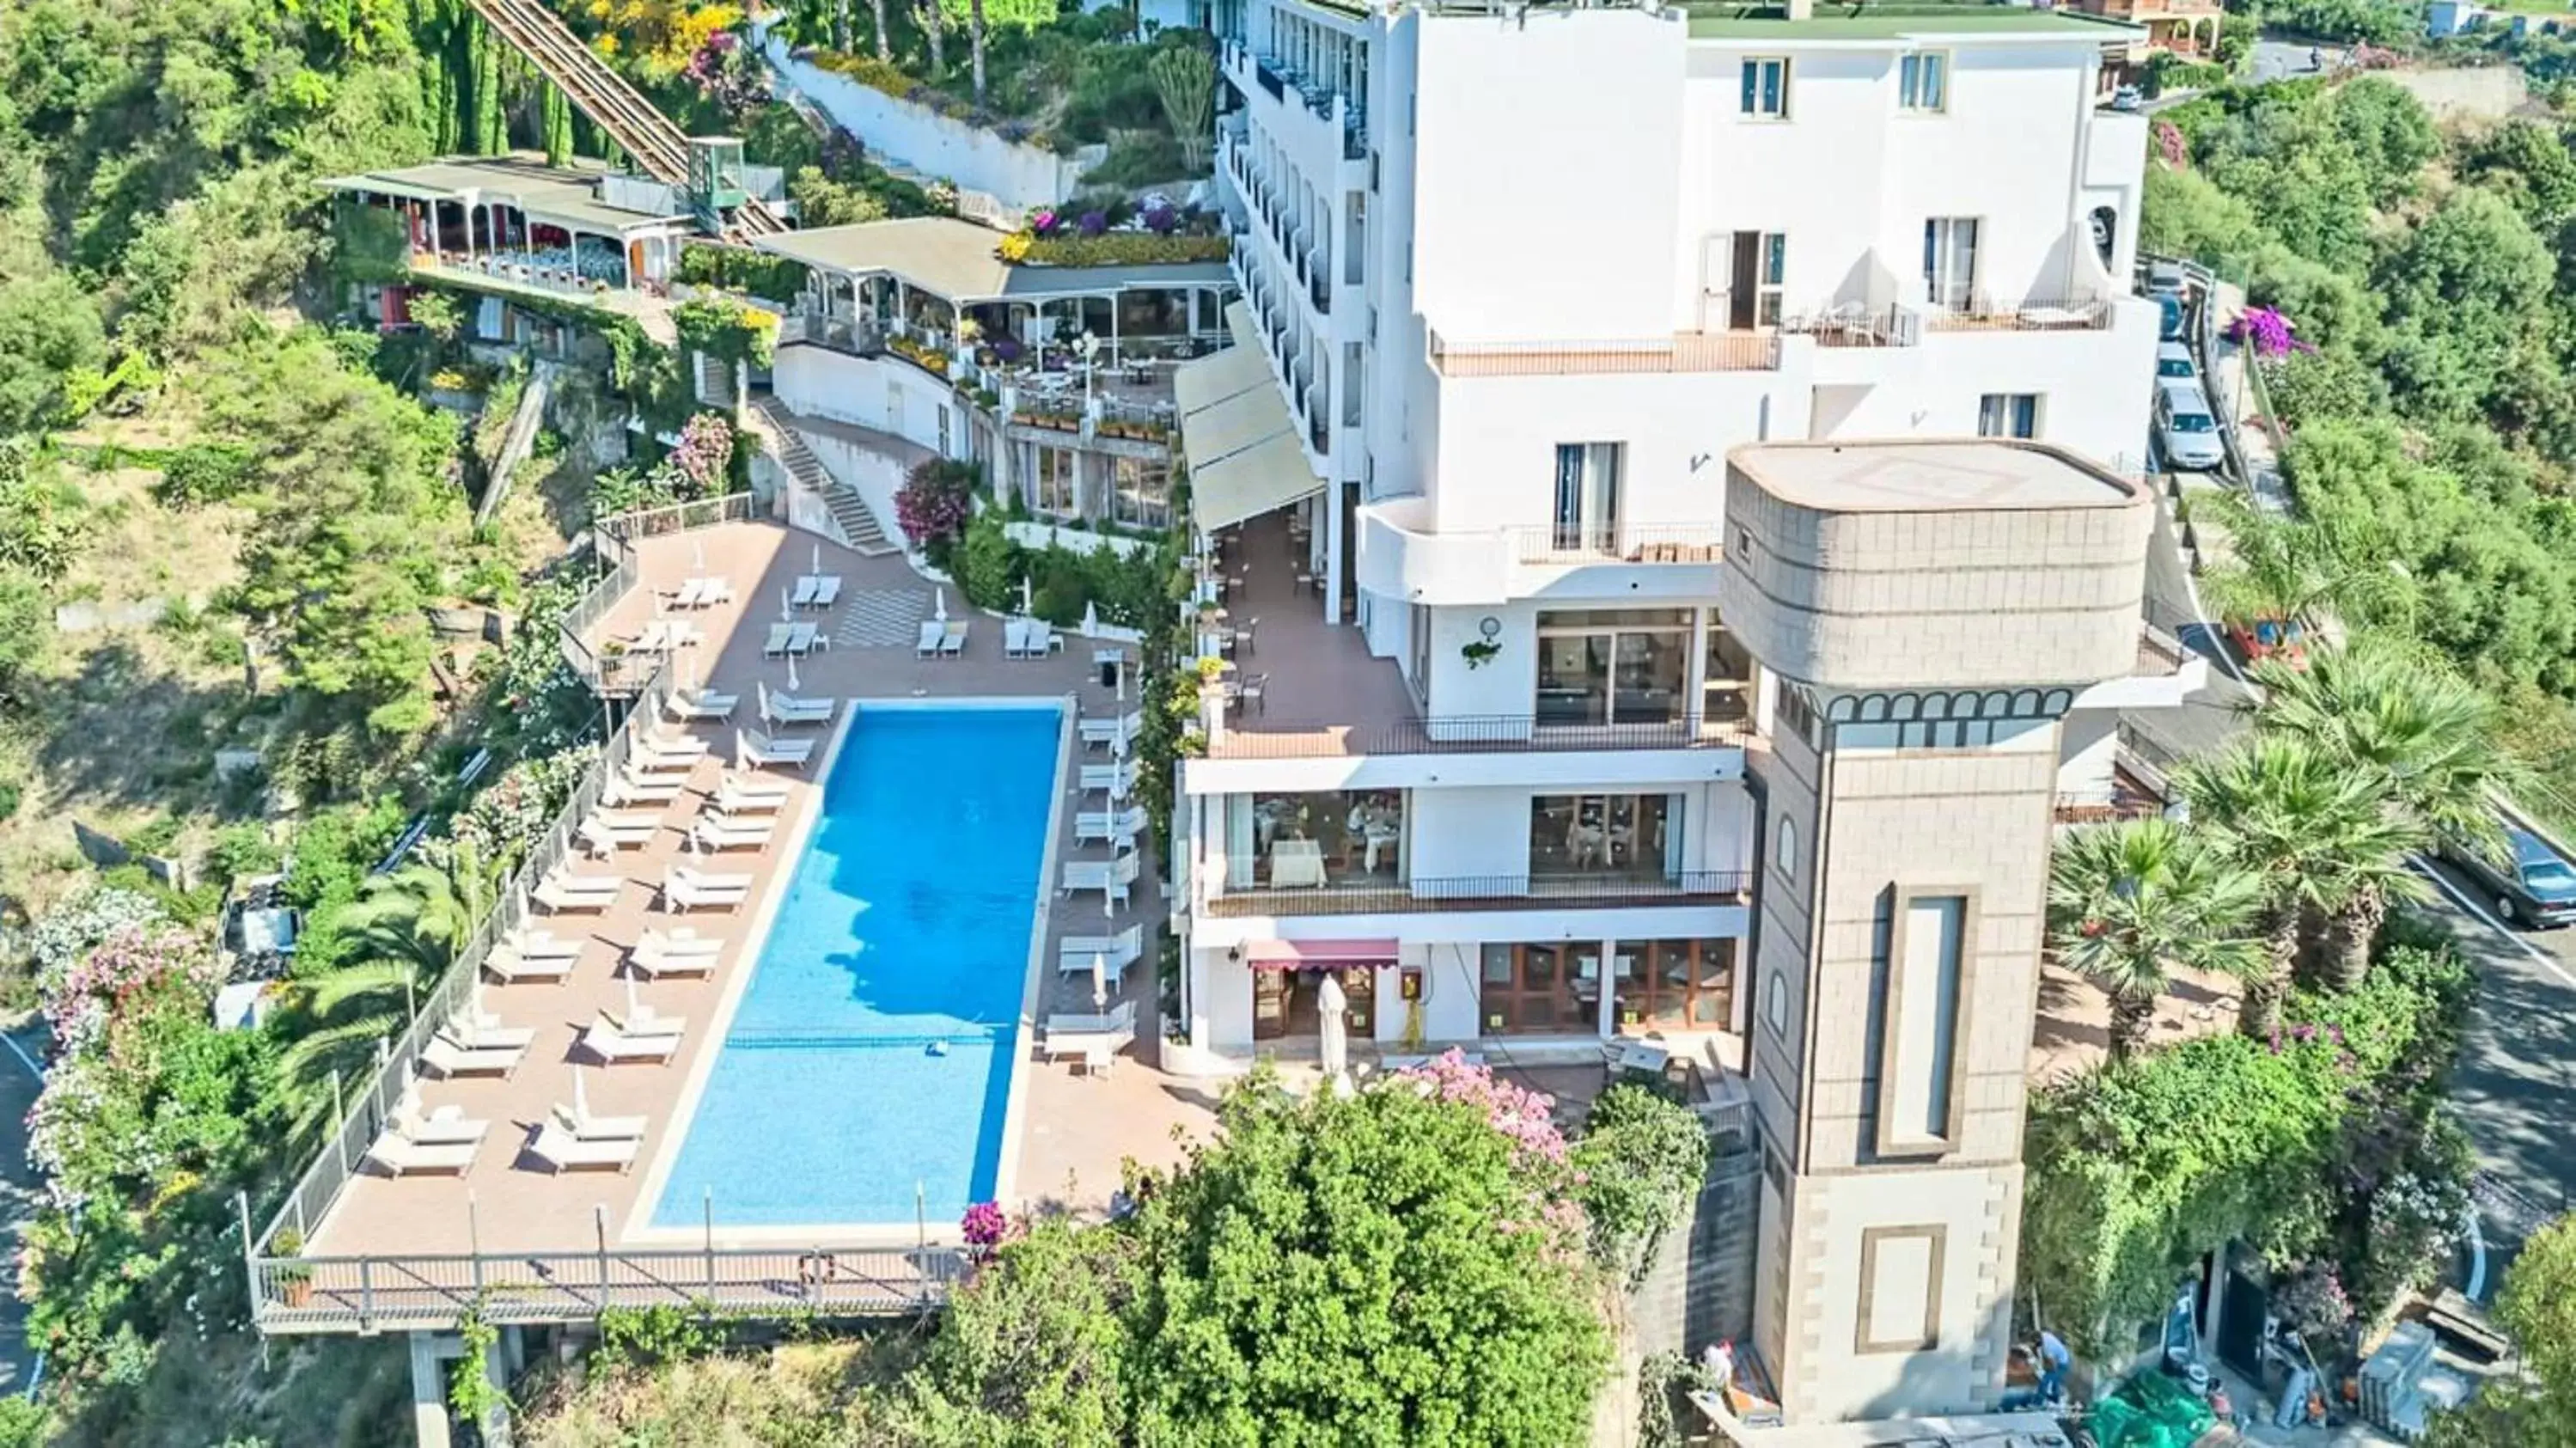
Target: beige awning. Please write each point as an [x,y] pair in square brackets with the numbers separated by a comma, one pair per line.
[1217,432]
[1262,478]
[1210,380]
[1247,332]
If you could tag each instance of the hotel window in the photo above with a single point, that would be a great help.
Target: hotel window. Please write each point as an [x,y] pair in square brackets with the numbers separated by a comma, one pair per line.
[1675,984]
[1540,989]
[1323,840]
[1587,497]
[2008,414]
[1140,494]
[1766,87]
[1918,1081]
[1923,82]
[1634,836]
[1054,479]
[1950,261]
[1612,666]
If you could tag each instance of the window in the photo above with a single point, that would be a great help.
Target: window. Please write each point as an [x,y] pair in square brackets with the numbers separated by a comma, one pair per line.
[1140,493]
[1784,849]
[1053,484]
[1328,839]
[1950,261]
[2008,414]
[1527,989]
[1766,87]
[1681,984]
[1775,1004]
[1918,1096]
[1923,82]
[1742,272]
[1592,835]
[1418,638]
[1587,497]
[1612,666]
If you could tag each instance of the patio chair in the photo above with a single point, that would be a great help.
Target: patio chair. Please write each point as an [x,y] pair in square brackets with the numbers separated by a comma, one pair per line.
[752,749]
[398,1154]
[562,1151]
[927,646]
[1254,691]
[618,1048]
[591,1130]
[1074,953]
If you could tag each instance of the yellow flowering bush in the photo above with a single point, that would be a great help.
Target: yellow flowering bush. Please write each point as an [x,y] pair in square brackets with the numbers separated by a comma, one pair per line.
[662,33]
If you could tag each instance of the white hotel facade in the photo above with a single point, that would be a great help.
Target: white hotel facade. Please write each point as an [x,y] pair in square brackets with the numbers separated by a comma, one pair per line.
[1533,761]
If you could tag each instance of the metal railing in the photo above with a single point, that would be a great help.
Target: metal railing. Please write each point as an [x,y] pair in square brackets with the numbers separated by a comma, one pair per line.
[1894,325]
[2160,652]
[1683,352]
[1605,889]
[823,329]
[1989,314]
[1260,737]
[610,670]
[1623,543]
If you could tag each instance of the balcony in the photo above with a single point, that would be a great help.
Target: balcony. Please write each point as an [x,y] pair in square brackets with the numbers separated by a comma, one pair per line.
[1605,890]
[1989,314]
[815,327]
[1547,544]
[1468,734]
[1681,352]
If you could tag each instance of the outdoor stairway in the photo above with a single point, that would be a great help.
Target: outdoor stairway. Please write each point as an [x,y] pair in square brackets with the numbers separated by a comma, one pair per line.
[630,120]
[519,441]
[858,525]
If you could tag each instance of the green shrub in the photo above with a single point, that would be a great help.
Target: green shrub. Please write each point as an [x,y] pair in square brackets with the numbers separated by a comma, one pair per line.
[773,278]
[1641,1156]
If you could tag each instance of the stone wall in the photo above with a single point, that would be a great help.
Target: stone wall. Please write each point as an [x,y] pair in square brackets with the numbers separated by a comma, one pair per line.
[1698,1288]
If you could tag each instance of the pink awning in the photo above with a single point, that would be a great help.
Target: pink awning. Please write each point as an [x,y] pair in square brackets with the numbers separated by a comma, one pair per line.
[1292,954]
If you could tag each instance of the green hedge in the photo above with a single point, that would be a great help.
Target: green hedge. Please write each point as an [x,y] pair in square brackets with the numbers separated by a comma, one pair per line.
[1128,588]
[775,278]
[1112,248]
[2135,1171]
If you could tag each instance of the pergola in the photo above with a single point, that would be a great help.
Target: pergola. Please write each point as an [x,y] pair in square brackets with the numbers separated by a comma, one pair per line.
[547,221]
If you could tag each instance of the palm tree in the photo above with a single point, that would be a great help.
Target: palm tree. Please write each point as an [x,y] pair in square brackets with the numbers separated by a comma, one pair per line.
[2279,569]
[2422,734]
[2312,831]
[411,923]
[2129,903]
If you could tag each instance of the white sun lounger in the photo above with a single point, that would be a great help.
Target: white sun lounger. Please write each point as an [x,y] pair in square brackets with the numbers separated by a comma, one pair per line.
[562,1151]
[486,1033]
[927,646]
[952,641]
[680,952]
[786,709]
[644,1023]
[749,834]
[710,879]
[750,794]
[398,1154]
[512,964]
[1110,877]
[1015,638]
[1118,778]
[1100,731]
[542,944]
[1097,1039]
[1100,826]
[630,788]
[781,640]
[560,892]
[589,1129]
[1116,952]
[449,1056]
[827,588]
[752,748]
[615,1046]
[700,706]
[681,893]
[446,1126]
[605,834]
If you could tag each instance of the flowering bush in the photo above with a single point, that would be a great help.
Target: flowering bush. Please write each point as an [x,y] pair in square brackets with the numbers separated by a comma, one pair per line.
[1517,1112]
[1162,219]
[704,456]
[513,810]
[985,1228]
[933,506]
[83,1131]
[2266,331]
[71,928]
[2313,1305]
[1044,222]
[727,73]
[1093,223]
[2171,145]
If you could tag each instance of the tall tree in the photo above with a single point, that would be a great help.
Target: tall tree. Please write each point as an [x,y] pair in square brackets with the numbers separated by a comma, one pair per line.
[1185,81]
[933,15]
[841,26]
[2314,833]
[885,36]
[2424,736]
[2130,903]
[2535,1408]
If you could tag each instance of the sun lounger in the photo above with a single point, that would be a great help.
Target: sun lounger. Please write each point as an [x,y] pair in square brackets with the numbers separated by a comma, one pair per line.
[752,748]
[750,834]
[1015,638]
[484,1032]
[706,592]
[606,834]
[1100,826]
[750,794]
[932,631]
[537,957]
[449,1056]
[1119,779]
[672,752]
[1096,1039]
[542,944]
[632,788]
[711,879]
[952,642]
[398,1154]
[786,709]
[615,1046]
[680,952]
[1075,953]
[826,589]
[781,640]
[681,894]
[562,1151]
[589,1129]
[560,892]
[1110,877]
[700,706]
[1100,731]
[447,1126]
[643,1023]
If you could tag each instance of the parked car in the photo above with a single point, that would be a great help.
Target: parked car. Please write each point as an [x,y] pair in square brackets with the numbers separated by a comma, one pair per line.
[2127,98]
[2169,325]
[2165,279]
[2185,427]
[2530,883]
[2173,360]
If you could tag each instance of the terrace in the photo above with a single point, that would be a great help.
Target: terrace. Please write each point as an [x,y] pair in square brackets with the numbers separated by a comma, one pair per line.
[533,1245]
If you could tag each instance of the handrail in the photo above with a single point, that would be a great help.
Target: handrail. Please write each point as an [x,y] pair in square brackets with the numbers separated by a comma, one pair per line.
[1619,543]
[1524,891]
[1681,352]
[615,539]
[1265,738]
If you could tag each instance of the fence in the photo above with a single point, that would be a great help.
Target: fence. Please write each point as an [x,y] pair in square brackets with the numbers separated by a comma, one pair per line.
[1684,352]
[1260,737]
[1479,892]
[605,667]
[1619,543]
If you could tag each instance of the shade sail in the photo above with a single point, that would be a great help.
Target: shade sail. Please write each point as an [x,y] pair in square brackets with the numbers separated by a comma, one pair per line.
[1260,479]
[1296,954]
[1247,333]
[1210,380]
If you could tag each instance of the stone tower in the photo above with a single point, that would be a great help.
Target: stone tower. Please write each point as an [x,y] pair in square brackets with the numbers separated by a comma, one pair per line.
[1927,612]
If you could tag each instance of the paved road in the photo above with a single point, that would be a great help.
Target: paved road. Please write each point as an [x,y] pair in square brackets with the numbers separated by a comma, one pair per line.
[2284,59]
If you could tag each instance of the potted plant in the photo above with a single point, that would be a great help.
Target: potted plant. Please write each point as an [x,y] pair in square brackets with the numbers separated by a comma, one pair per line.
[292,1274]
[1479,653]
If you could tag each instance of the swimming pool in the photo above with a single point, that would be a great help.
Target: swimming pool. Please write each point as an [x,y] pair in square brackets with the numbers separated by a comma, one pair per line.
[872,1046]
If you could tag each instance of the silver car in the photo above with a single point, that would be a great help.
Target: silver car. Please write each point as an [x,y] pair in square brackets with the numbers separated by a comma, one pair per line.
[2173,360]
[2186,429]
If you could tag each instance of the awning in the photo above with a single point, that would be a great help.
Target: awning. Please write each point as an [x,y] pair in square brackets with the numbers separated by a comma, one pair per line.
[1210,380]
[1247,333]
[1298,954]
[1220,430]
[1260,479]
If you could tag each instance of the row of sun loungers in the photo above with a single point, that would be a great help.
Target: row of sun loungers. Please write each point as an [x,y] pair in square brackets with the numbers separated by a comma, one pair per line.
[817,590]
[943,639]
[698,593]
[1075,953]
[784,639]
[1029,638]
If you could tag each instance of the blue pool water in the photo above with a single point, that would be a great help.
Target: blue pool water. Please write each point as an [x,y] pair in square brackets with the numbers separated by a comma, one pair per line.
[906,923]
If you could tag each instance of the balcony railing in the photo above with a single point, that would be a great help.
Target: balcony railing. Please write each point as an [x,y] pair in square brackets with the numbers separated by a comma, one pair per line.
[2160,652]
[1858,326]
[1990,314]
[822,329]
[1605,890]
[1271,737]
[1682,352]
[1632,543]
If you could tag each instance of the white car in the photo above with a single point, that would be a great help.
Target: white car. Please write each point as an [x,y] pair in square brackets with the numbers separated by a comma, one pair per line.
[2185,427]
[2173,362]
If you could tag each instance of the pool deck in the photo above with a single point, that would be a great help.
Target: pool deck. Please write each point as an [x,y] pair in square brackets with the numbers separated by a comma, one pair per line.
[1073,1131]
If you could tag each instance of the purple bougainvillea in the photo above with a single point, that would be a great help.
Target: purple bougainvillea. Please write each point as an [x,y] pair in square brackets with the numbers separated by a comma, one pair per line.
[1162,220]
[1094,222]
[1044,222]
[2267,332]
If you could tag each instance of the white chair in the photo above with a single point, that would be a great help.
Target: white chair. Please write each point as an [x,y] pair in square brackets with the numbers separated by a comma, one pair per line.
[1074,953]
[562,1151]
[1101,826]
[753,749]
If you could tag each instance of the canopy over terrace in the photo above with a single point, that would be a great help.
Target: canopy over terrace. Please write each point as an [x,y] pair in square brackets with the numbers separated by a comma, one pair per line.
[587,226]
[1241,442]
[917,276]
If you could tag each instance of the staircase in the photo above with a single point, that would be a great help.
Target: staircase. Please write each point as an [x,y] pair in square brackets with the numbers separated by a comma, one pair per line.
[858,525]
[715,381]
[630,120]
[519,441]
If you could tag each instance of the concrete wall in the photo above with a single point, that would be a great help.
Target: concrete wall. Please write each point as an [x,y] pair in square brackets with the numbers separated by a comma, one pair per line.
[1698,1287]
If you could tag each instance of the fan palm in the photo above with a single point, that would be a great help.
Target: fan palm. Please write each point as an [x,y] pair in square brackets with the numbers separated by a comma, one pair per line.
[2312,831]
[2129,903]
[2421,733]
[2279,569]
